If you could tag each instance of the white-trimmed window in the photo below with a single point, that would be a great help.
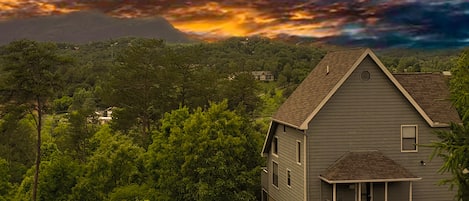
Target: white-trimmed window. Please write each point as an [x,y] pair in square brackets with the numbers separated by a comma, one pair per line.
[298,152]
[275,146]
[409,138]
[275,174]
[288,178]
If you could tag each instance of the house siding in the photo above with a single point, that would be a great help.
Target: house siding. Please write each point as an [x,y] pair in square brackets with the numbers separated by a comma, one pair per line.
[367,115]
[287,159]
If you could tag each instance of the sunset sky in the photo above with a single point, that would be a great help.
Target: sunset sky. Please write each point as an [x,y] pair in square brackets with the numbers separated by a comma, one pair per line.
[386,23]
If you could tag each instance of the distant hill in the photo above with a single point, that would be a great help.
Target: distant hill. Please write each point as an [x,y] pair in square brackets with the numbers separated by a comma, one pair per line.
[87,26]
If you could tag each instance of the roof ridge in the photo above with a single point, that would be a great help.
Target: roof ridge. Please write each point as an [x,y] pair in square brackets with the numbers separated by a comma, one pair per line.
[348,49]
[417,73]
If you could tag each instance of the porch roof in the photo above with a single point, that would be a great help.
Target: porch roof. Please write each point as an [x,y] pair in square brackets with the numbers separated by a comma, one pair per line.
[366,166]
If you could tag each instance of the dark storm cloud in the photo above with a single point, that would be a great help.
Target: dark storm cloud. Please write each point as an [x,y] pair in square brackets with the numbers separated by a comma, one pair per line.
[423,24]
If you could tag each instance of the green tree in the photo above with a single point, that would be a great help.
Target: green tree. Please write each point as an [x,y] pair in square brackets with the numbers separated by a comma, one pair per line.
[140,86]
[5,185]
[242,91]
[78,125]
[205,155]
[454,145]
[31,82]
[116,162]
[17,144]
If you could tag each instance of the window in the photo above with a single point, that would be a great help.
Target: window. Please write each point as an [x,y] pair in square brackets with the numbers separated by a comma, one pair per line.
[298,152]
[409,134]
[275,174]
[288,178]
[275,146]
[284,128]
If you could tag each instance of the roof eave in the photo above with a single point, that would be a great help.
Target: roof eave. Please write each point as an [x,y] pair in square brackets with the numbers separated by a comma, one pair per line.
[304,125]
[265,147]
[368,52]
[368,180]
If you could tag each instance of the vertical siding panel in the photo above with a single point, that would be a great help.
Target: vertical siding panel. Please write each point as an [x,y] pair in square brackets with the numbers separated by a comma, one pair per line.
[367,115]
[287,160]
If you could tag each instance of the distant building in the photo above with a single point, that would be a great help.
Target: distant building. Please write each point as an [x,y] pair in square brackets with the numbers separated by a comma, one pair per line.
[263,75]
[351,132]
[104,116]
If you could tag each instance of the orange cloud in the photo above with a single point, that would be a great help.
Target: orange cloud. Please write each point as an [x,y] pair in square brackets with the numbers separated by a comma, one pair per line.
[206,20]
[212,19]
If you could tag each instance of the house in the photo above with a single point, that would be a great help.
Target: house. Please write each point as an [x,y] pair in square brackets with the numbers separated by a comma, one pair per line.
[104,116]
[351,130]
[266,76]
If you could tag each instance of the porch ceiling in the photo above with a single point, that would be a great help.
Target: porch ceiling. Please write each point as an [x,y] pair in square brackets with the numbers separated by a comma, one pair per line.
[366,166]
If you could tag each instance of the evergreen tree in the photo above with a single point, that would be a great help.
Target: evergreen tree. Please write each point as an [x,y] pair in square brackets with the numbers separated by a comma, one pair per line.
[30,82]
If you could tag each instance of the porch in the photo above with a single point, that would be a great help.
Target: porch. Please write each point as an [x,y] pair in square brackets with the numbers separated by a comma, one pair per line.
[366,176]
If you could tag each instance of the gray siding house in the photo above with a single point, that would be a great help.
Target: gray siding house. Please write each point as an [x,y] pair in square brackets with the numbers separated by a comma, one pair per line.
[351,130]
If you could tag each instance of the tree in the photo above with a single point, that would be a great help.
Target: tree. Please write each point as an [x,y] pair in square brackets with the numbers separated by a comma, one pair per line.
[454,145]
[116,162]
[242,91]
[17,144]
[205,155]
[140,86]
[80,123]
[31,82]
[5,185]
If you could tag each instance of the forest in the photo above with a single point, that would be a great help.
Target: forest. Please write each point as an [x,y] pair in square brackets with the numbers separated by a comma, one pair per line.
[188,120]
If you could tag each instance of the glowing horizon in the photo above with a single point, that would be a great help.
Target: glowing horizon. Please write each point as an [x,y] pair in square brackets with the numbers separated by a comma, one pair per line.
[341,21]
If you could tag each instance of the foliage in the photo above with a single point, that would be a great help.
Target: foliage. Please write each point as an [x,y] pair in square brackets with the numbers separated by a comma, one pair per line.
[116,162]
[460,85]
[205,155]
[30,82]
[196,154]
[454,150]
[5,185]
[17,144]
[454,145]
[139,85]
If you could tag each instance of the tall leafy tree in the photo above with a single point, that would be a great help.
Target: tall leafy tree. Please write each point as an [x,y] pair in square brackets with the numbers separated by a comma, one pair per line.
[205,155]
[116,162]
[194,82]
[139,87]
[454,145]
[30,83]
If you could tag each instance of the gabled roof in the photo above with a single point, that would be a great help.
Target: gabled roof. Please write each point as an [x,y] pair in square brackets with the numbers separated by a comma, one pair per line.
[312,93]
[366,166]
[431,92]
[325,79]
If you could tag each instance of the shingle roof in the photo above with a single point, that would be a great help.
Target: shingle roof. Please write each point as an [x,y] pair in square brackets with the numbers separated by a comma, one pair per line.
[431,92]
[334,69]
[316,86]
[366,166]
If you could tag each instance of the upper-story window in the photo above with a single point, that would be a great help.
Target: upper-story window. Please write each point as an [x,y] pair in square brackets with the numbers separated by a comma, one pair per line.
[275,146]
[409,138]
[298,152]
[275,174]
[288,178]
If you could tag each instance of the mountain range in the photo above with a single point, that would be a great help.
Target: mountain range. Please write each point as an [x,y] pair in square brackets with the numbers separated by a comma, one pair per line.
[88,26]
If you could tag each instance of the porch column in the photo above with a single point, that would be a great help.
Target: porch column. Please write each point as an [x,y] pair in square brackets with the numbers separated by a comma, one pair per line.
[359,191]
[334,192]
[410,190]
[385,191]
